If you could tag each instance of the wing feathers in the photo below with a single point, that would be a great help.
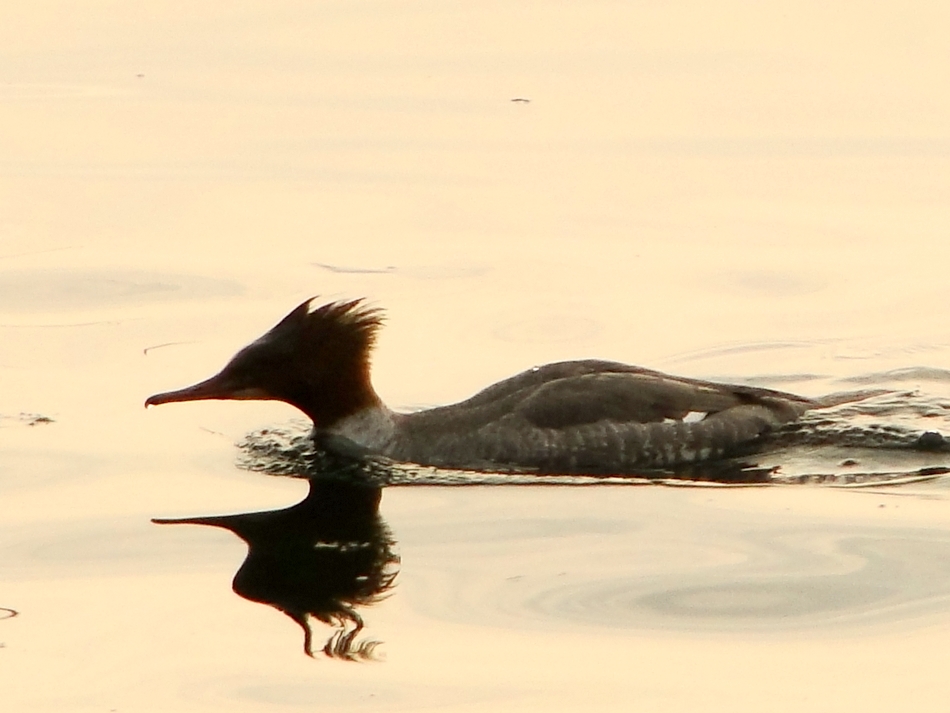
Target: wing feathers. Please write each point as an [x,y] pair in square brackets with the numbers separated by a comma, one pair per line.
[636,398]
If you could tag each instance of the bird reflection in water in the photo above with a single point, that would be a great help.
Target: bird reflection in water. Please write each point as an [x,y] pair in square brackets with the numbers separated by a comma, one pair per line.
[322,558]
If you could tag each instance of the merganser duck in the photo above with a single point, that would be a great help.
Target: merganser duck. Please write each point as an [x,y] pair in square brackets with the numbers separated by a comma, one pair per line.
[577,417]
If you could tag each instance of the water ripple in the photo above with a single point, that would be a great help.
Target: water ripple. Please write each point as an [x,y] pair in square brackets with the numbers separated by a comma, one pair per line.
[786,579]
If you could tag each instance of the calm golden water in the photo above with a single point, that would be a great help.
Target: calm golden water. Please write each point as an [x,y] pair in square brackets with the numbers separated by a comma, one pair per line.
[732,190]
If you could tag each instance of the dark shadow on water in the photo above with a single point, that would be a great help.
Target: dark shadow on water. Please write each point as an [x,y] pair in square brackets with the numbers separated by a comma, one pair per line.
[323,558]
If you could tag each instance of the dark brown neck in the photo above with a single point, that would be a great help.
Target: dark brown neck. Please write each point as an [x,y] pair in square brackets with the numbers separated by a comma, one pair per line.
[347,392]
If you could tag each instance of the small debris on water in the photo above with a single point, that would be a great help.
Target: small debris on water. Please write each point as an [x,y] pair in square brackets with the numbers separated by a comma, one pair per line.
[355,270]
[26,419]
[159,346]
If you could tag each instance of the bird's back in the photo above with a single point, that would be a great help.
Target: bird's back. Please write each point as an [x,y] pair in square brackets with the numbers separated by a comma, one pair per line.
[593,416]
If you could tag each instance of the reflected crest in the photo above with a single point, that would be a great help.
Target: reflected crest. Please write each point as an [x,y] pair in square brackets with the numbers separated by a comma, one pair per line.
[324,558]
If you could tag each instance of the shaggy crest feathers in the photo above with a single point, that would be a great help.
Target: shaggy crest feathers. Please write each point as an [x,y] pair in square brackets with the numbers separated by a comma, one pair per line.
[348,319]
[327,349]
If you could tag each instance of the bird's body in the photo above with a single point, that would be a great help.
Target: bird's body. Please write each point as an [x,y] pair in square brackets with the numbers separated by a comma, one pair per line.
[577,417]
[569,417]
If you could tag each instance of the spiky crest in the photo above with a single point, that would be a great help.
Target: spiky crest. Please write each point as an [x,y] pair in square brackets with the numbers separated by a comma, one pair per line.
[316,359]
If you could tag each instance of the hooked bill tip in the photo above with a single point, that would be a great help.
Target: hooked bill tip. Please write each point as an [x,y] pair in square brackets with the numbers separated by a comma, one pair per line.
[159,399]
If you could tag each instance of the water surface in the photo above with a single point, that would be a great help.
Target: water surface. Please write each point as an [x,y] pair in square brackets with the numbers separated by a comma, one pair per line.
[737,191]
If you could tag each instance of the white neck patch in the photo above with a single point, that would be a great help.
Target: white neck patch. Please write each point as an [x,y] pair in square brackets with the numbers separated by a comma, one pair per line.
[372,428]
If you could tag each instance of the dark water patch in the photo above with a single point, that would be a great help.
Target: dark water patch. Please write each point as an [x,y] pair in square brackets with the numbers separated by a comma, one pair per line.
[774,283]
[914,373]
[327,693]
[769,380]
[50,290]
[744,348]
[760,600]
[355,270]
